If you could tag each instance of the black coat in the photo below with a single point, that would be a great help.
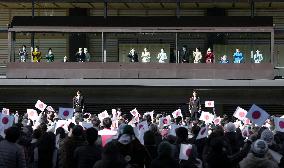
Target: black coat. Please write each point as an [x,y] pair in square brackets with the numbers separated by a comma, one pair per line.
[78,104]
[133,58]
[194,105]
[184,57]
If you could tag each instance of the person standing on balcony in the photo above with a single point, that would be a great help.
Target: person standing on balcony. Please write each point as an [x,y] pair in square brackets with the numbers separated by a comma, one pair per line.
[80,55]
[49,56]
[197,56]
[184,55]
[238,57]
[23,53]
[146,57]
[133,56]
[36,54]
[162,56]
[209,57]
[87,55]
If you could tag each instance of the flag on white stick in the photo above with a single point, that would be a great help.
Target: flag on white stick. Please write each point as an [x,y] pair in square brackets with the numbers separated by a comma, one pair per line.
[206,117]
[279,124]
[49,108]
[203,132]
[103,115]
[177,113]
[32,114]
[40,105]
[240,113]
[6,121]
[185,151]
[134,112]
[65,113]
[5,111]
[209,104]
[257,115]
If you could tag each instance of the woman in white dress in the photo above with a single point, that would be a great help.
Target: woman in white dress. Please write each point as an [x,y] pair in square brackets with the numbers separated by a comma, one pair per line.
[162,56]
[197,56]
[146,56]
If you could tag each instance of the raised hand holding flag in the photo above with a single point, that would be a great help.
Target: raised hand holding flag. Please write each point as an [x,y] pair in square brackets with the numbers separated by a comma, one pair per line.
[177,113]
[32,114]
[217,121]
[257,115]
[206,117]
[40,105]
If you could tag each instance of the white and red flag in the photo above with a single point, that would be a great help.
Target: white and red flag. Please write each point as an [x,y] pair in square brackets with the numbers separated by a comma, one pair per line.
[240,113]
[257,115]
[203,132]
[177,113]
[5,111]
[217,121]
[279,124]
[206,117]
[40,105]
[103,115]
[185,151]
[209,104]
[32,114]
[164,121]
[65,113]
[134,112]
[6,121]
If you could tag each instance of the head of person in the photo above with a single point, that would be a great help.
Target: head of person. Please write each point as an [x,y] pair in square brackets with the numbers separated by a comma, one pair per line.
[24,47]
[78,93]
[49,51]
[77,131]
[126,134]
[230,127]
[165,150]
[80,50]
[85,50]
[182,134]
[91,135]
[195,130]
[162,50]
[209,50]
[178,120]
[267,136]
[12,134]
[184,48]
[196,49]
[237,50]
[36,49]
[154,128]
[132,51]
[224,57]
[149,138]
[148,118]
[96,121]
[194,93]
[259,148]
[145,49]
[65,58]
[257,51]
[111,152]
[61,132]
[107,122]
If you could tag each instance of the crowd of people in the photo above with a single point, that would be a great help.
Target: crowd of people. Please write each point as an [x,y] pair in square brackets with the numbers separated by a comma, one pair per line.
[115,141]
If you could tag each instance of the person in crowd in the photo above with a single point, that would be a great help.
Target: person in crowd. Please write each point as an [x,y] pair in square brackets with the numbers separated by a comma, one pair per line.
[86,156]
[197,56]
[162,56]
[87,55]
[23,54]
[224,60]
[60,137]
[184,55]
[111,157]
[11,154]
[257,57]
[194,106]
[238,57]
[209,57]
[165,157]
[76,139]
[231,137]
[107,134]
[146,56]
[150,147]
[80,55]
[258,158]
[25,141]
[49,56]
[133,56]
[78,106]
[158,137]
[36,54]
[130,147]
[46,154]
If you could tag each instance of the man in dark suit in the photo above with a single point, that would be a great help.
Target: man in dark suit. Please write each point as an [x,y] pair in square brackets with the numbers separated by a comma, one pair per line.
[184,55]
[80,55]
[194,106]
[133,56]
[79,106]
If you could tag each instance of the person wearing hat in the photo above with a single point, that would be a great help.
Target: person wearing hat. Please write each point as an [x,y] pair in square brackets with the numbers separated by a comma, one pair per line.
[258,157]
[130,147]
[231,137]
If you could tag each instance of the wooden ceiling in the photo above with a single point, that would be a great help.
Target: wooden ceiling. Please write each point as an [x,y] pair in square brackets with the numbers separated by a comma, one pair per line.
[147,6]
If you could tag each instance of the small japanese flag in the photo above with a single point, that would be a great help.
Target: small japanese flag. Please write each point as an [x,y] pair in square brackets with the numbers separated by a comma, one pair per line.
[32,114]
[206,117]
[240,113]
[40,105]
[177,113]
[257,115]
[6,121]
[142,127]
[203,132]
[134,112]
[5,111]
[164,121]
[65,113]
[103,115]
[149,113]
[185,151]
[49,108]
[279,124]
[217,121]
[209,103]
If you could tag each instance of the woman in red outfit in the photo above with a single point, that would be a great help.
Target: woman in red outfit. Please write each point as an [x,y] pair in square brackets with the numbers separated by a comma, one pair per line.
[209,57]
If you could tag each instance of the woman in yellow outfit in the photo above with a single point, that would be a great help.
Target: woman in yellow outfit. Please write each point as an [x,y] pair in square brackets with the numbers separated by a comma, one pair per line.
[36,54]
